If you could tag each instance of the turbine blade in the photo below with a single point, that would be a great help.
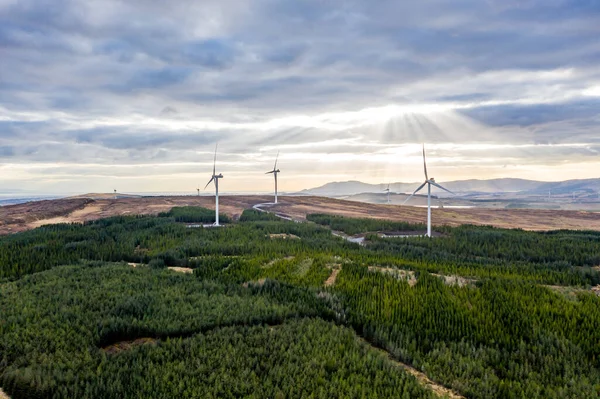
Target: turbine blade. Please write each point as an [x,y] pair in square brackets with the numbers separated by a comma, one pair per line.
[266,173]
[210,181]
[416,191]
[425,164]
[445,189]
[276,158]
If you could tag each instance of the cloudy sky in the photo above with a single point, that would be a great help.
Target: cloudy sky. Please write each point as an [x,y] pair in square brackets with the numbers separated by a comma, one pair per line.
[134,95]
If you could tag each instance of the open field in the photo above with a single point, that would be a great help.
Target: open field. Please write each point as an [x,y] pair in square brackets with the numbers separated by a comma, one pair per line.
[21,217]
[528,219]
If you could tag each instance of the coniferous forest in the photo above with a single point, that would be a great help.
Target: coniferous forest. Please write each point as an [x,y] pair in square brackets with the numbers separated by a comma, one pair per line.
[277,309]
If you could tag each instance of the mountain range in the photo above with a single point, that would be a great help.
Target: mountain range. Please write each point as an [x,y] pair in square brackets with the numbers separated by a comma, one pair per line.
[584,187]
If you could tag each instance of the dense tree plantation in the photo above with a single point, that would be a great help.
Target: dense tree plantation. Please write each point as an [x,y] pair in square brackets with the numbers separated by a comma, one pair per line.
[490,313]
[556,257]
[362,225]
[194,214]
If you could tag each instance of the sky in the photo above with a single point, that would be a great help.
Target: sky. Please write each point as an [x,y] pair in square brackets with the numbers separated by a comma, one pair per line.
[134,95]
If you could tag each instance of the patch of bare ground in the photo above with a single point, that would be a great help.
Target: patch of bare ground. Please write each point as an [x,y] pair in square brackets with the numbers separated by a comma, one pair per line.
[455,280]
[332,277]
[140,251]
[3,395]
[257,283]
[284,236]
[126,345]
[270,264]
[567,291]
[597,268]
[437,389]
[407,275]
[77,216]
[16,218]
[177,269]
[134,265]
[596,290]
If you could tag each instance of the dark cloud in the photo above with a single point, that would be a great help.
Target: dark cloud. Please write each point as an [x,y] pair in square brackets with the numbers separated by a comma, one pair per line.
[527,115]
[156,78]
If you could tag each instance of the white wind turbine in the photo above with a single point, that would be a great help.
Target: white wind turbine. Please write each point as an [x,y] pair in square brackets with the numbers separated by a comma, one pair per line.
[429,182]
[388,193]
[216,178]
[275,171]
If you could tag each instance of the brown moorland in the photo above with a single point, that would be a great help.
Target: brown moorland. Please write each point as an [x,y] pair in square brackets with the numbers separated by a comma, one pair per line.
[21,217]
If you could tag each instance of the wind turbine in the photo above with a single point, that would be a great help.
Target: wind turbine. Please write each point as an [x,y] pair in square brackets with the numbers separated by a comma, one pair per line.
[215,177]
[275,171]
[388,193]
[429,182]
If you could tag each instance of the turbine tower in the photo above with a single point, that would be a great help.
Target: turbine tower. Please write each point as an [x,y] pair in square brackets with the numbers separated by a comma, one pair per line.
[429,182]
[215,177]
[275,171]
[388,193]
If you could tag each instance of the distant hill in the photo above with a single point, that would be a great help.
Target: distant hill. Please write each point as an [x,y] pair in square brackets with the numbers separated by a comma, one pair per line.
[97,196]
[591,187]
[464,187]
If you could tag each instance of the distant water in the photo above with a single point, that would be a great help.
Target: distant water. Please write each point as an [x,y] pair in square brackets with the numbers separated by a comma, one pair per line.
[8,199]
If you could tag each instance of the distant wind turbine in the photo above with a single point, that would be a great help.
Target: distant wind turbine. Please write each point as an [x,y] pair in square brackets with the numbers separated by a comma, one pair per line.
[215,177]
[275,171]
[388,193]
[429,182]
